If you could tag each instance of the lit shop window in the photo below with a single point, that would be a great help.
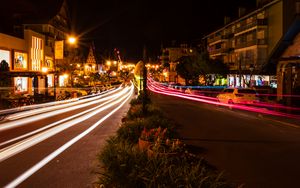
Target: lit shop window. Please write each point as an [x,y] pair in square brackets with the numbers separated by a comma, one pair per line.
[4,56]
[20,62]
[63,80]
[50,80]
[21,84]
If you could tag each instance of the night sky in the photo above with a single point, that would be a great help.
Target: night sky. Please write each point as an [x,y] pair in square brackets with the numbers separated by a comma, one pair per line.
[128,25]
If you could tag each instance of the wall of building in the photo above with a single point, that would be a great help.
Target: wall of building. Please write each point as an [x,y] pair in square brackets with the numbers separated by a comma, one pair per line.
[10,42]
[275,25]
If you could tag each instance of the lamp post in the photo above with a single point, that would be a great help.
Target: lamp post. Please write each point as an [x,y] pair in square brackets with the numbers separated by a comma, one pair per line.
[59,54]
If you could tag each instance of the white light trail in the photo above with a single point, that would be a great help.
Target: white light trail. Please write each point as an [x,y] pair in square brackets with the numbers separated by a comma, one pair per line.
[51,108]
[21,122]
[29,142]
[50,125]
[50,157]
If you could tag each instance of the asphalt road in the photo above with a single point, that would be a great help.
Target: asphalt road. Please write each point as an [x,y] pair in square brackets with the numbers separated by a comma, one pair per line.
[66,158]
[251,149]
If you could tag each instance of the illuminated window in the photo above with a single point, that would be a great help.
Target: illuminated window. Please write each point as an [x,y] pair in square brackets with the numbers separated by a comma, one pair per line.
[36,53]
[4,55]
[20,61]
[21,84]
[50,80]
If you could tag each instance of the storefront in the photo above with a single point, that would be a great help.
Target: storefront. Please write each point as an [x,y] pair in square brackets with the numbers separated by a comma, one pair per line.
[236,80]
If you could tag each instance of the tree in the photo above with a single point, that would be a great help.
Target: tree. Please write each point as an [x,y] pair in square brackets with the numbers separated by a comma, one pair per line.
[189,68]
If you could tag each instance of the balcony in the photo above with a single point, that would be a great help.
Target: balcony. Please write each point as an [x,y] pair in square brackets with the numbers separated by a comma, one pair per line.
[251,43]
[219,38]
[255,24]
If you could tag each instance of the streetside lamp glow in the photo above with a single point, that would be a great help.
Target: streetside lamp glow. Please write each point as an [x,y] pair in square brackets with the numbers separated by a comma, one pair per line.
[72,40]
[44,69]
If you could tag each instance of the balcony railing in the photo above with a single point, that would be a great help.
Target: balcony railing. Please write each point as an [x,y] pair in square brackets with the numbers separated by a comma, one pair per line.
[258,22]
[251,43]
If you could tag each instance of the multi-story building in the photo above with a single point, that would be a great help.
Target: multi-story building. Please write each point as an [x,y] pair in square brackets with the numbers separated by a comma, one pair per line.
[171,56]
[251,44]
[30,56]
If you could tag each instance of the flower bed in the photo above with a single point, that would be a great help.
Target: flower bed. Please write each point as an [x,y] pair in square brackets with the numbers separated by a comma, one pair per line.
[142,155]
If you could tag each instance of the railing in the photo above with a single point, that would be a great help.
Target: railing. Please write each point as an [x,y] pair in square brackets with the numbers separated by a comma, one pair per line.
[258,22]
[251,43]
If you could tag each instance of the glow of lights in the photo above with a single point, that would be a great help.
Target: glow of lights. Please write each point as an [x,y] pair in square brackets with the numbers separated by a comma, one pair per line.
[66,75]
[108,63]
[51,156]
[115,62]
[78,65]
[72,40]
[44,69]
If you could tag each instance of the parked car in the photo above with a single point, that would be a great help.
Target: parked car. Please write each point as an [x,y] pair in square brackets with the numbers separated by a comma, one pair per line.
[238,95]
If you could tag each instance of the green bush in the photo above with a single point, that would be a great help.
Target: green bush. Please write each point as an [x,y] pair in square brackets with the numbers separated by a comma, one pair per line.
[121,161]
[131,130]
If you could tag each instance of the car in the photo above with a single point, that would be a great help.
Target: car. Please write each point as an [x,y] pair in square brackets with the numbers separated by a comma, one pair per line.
[238,96]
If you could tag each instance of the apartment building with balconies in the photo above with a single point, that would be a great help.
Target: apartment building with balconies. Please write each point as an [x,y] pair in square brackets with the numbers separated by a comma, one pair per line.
[248,44]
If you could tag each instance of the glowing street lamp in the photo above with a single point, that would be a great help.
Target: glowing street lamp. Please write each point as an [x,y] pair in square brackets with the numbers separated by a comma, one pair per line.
[72,40]
[59,51]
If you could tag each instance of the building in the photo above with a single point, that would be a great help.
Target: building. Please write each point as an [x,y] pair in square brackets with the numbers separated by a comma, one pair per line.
[30,50]
[169,59]
[251,44]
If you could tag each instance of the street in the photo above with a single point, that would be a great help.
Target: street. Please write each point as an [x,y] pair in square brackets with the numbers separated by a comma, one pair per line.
[253,149]
[57,145]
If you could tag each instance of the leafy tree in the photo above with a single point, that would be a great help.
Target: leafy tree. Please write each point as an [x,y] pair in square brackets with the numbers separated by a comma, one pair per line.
[189,68]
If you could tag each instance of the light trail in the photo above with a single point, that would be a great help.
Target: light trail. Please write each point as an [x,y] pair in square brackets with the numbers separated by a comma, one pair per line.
[51,108]
[51,156]
[50,125]
[164,91]
[21,122]
[31,141]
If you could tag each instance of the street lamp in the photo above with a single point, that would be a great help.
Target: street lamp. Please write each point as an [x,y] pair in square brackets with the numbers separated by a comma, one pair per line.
[59,54]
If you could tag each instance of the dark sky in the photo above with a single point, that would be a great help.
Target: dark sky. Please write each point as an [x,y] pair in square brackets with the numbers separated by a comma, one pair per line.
[130,24]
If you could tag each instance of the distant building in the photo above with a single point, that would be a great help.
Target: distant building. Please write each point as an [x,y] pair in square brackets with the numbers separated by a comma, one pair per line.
[170,56]
[90,65]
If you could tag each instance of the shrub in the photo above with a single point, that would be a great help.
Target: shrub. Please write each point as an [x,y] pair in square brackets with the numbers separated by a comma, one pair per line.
[126,166]
[131,130]
[121,162]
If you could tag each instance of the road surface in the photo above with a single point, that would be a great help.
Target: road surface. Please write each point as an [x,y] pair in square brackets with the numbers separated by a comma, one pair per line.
[57,146]
[253,149]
